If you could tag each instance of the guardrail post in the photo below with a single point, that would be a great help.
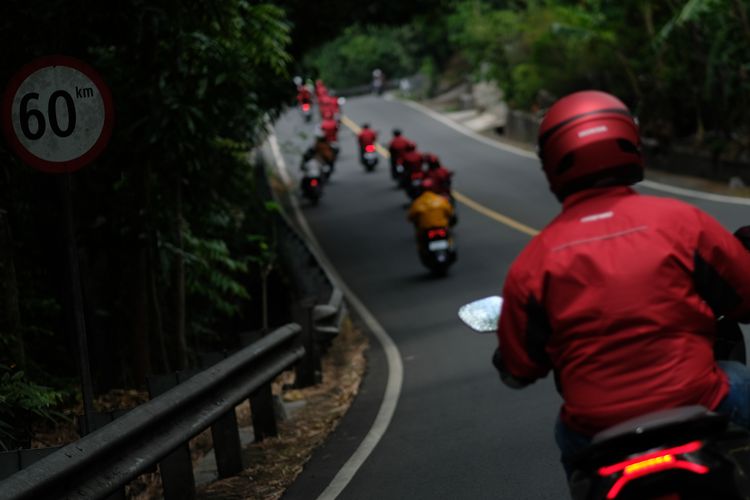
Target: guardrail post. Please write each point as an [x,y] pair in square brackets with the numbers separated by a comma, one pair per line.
[308,372]
[263,416]
[176,469]
[225,433]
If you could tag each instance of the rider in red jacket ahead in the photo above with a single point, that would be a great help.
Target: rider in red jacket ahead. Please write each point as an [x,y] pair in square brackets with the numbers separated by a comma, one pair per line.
[396,148]
[438,173]
[412,159]
[366,137]
[620,293]
[329,127]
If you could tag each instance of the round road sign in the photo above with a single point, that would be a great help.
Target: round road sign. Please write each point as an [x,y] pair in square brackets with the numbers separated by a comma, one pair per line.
[57,114]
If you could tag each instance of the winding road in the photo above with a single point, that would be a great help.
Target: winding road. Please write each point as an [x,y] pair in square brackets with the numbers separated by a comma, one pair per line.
[448,427]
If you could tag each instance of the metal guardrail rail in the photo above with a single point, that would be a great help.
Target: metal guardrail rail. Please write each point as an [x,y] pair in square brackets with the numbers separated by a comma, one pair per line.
[100,463]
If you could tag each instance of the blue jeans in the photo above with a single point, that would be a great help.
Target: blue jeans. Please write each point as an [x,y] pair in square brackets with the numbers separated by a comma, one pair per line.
[736,404]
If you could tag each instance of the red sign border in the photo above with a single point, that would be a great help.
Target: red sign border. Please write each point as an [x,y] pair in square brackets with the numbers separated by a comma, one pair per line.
[10,134]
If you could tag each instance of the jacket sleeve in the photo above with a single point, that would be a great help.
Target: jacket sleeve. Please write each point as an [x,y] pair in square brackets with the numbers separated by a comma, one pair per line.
[722,270]
[522,357]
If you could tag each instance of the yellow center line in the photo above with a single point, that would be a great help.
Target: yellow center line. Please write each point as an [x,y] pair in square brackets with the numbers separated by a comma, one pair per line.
[461,198]
[502,219]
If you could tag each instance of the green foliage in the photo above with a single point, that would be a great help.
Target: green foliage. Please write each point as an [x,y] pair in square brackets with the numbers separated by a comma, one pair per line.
[682,66]
[167,207]
[349,60]
[19,399]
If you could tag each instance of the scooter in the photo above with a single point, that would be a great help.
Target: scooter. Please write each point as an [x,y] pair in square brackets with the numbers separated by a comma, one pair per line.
[397,170]
[437,250]
[306,110]
[369,157]
[412,183]
[312,180]
[679,454]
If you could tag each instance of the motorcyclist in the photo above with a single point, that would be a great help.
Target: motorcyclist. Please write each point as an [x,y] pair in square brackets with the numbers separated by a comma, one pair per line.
[366,137]
[378,81]
[412,158]
[320,89]
[438,173]
[321,150]
[396,148]
[429,210]
[329,127]
[304,96]
[619,294]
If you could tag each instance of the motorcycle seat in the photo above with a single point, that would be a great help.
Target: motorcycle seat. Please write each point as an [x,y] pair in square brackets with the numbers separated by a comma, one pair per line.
[654,420]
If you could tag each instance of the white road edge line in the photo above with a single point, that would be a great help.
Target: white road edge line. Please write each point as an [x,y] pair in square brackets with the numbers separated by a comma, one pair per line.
[658,186]
[393,357]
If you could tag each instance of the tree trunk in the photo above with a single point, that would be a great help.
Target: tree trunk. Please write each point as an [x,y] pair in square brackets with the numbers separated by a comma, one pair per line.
[180,311]
[10,315]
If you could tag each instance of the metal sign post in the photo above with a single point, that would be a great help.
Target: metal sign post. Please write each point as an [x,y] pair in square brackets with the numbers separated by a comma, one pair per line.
[57,115]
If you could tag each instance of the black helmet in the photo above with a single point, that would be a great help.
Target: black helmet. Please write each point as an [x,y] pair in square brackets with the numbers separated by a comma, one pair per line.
[396,132]
[365,125]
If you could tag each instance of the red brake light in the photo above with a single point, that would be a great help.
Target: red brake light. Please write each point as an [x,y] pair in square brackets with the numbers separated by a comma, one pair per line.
[370,148]
[436,233]
[650,463]
[305,107]
[313,182]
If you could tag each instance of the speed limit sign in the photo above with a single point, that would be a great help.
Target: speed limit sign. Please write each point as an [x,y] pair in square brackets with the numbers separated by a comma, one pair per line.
[57,114]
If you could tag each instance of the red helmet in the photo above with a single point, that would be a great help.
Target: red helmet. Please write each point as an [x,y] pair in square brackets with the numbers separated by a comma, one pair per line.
[589,138]
[429,184]
[431,160]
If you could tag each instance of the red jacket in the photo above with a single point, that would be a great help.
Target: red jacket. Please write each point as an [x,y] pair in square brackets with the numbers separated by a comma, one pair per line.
[412,160]
[397,147]
[619,295]
[303,95]
[366,137]
[331,129]
[442,177]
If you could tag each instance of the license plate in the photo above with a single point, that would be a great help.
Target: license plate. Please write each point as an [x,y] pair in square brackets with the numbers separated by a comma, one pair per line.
[438,245]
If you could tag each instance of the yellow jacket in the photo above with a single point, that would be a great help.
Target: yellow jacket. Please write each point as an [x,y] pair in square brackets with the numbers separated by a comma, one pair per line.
[430,210]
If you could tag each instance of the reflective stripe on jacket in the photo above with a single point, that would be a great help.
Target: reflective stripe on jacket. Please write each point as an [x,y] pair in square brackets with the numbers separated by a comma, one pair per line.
[618,295]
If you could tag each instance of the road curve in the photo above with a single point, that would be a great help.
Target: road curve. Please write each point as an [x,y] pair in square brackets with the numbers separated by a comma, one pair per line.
[456,432]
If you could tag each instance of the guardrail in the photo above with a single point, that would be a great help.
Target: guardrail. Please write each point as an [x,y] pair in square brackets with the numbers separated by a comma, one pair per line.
[101,463]
[184,404]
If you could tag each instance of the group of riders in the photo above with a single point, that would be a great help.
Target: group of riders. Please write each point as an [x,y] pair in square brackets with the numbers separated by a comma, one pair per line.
[421,175]
[619,294]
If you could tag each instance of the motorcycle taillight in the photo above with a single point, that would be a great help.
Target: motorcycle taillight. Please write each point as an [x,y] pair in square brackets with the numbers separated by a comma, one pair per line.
[306,107]
[651,463]
[370,148]
[313,182]
[436,233]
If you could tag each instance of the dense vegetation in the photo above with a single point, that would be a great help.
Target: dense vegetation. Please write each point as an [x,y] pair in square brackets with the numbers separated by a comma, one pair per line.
[173,237]
[170,232]
[683,66]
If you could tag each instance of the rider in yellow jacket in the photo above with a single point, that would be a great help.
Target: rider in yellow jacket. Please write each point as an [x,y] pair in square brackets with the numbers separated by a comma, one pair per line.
[429,209]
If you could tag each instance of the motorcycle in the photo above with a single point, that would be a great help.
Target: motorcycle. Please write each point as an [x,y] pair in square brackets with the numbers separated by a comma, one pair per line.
[678,454]
[437,250]
[312,180]
[412,183]
[369,157]
[306,110]
[397,170]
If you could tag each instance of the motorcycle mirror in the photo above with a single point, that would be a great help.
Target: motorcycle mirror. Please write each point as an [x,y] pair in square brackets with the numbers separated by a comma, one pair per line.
[482,315]
[342,101]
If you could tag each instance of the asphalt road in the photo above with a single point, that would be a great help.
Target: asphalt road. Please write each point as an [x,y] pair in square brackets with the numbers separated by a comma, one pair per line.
[457,432]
